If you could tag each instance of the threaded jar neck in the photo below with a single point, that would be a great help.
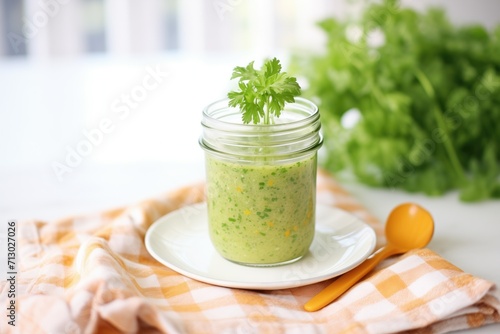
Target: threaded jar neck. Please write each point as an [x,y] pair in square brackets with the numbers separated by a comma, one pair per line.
[294,133]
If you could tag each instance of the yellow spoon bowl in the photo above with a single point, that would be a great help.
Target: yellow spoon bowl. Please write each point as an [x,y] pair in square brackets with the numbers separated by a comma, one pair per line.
[409,226]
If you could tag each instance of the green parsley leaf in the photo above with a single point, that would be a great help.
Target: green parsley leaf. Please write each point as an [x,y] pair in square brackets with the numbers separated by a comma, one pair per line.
[263,93]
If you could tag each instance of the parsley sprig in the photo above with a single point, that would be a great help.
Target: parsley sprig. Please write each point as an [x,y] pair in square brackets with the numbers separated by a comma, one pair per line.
[263,93]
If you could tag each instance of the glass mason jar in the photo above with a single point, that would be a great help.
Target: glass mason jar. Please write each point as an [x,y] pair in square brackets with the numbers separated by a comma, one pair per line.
[261,182]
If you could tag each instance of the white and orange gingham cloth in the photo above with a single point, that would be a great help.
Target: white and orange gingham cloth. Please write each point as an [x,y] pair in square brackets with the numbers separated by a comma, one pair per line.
[93,274]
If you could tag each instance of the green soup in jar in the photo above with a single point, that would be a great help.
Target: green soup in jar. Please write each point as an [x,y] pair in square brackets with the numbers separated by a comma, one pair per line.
[261,214]
[261,183]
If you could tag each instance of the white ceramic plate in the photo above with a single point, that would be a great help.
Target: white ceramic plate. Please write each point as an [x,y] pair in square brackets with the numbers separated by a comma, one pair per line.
[181,242]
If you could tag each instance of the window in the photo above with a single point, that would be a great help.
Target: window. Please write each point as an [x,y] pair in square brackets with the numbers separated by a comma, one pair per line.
[12,43]
[41,28]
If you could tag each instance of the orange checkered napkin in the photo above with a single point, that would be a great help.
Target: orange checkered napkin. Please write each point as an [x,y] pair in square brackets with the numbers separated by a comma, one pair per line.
[93,274]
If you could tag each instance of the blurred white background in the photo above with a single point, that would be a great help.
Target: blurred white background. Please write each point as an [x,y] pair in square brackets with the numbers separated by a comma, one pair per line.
[65,65]
[121,83]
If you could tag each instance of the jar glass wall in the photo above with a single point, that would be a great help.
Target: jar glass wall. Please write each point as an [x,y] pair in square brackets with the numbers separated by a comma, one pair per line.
[261,183]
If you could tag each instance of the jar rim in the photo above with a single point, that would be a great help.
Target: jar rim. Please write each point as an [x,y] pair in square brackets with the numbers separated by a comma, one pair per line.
[311,107]
[224,133]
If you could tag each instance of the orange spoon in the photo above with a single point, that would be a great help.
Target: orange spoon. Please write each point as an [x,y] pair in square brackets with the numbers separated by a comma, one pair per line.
[408,227]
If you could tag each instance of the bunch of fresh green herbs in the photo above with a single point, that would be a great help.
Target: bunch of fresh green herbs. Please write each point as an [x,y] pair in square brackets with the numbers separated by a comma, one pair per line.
[409,100]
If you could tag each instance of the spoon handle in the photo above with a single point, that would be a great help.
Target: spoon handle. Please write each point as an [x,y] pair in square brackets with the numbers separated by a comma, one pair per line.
[347,280]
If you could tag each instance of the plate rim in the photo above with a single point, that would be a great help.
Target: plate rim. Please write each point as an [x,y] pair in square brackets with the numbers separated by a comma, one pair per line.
[274,285]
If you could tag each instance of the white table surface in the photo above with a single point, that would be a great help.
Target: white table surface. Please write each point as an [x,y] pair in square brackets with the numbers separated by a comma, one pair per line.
[44,109]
